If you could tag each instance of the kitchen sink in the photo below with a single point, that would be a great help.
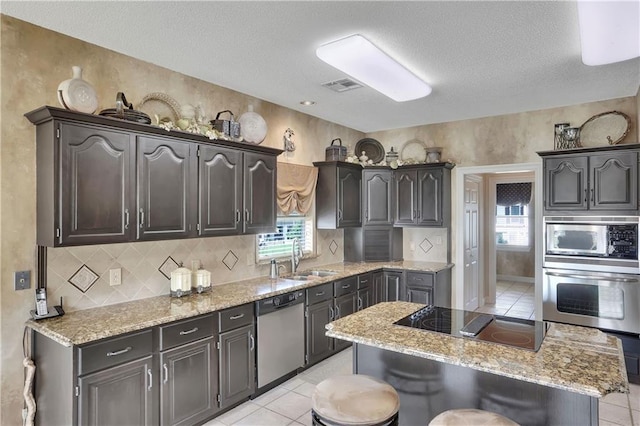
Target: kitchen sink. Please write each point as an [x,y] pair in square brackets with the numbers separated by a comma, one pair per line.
[309,275]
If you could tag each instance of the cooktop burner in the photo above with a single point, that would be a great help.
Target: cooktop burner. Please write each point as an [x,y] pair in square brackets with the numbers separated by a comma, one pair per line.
[520,333]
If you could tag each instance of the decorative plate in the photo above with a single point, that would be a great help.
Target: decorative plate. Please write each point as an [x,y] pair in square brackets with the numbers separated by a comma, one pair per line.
[606,128]
[413,150]
[253,128]
[162,105]
[78,95]
[372,148]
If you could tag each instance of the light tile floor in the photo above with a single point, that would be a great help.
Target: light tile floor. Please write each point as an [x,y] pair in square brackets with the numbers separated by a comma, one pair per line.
[290,403]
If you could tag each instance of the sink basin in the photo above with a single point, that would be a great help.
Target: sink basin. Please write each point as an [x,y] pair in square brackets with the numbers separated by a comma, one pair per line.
[309,275]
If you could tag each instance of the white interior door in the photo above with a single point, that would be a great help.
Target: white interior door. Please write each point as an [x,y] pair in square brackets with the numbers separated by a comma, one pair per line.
[471,242]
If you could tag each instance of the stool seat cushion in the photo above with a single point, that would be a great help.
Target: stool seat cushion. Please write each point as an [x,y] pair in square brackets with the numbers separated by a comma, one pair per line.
[355,400]
[470,417]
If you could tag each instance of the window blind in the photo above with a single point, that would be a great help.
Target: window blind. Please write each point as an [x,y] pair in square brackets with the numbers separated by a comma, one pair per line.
[280,243]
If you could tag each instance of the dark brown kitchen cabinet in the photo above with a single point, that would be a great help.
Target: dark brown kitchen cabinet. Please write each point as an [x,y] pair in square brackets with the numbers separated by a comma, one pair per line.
[318,313]
[591,181]
[85,192]
[338,195]
[423,195]
[429,288]
[103,180]
[365,291]
[377,197]
[237,192]
[122,395]
[236,345]
[392,287]
[188,371]
[378,288]
[167,188]
[345,303]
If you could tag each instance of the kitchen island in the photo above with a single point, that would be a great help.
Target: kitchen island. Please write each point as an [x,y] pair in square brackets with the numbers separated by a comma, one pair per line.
[558,385]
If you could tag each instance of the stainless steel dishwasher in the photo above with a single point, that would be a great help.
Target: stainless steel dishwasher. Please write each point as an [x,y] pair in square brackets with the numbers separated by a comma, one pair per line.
[280,348]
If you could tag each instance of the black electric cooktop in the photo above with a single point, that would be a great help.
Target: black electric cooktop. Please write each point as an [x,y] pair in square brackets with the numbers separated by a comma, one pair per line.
[520,333]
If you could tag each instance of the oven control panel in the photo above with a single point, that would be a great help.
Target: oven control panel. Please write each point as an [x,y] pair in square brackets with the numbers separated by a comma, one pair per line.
[623,241]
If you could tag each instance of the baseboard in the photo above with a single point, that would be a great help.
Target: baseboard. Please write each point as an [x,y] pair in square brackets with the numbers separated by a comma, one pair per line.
[528,280]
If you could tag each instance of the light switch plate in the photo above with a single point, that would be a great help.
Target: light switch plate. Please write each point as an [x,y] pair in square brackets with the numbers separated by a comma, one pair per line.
[22,280]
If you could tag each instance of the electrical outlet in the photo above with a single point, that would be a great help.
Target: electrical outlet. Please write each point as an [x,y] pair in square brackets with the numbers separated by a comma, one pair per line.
[22,280]
[115,276]
[438,241]
[412,246]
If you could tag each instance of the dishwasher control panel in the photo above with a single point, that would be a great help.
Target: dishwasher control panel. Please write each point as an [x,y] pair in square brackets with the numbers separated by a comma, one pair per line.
[279,301]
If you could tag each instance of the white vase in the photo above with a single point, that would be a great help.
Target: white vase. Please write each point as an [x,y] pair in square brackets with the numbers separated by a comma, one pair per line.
[76,94]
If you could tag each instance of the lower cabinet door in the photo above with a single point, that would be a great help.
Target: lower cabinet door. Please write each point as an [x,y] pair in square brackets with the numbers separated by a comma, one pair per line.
[237,365]
[392,286]
[189,383]
[345,305]
[365,297]
[122,395]
[422,295]
[318,345]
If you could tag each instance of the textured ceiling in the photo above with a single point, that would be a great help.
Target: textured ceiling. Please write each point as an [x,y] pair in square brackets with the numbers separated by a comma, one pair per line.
[481,58]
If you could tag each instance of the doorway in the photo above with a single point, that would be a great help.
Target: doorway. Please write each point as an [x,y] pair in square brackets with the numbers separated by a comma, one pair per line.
[462,295]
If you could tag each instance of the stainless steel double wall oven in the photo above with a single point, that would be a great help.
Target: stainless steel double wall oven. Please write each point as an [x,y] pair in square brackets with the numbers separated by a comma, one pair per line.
[592,272]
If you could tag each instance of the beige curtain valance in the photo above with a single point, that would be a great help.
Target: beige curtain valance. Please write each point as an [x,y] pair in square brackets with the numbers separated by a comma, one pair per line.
[296,187]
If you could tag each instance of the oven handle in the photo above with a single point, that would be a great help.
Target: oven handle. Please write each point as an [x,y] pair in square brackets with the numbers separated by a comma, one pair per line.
[594,277]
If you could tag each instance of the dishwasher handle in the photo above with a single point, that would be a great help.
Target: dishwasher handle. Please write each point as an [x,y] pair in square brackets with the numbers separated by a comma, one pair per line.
[277,303]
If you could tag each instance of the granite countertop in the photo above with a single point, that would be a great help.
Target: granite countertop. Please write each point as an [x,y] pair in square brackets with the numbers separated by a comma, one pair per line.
[79,327]
[577,359]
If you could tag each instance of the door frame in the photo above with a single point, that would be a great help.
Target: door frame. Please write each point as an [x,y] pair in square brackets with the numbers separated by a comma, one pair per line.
[459,174]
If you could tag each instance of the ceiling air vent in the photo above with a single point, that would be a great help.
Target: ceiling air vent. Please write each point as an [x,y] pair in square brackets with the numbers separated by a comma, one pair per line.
[342,85]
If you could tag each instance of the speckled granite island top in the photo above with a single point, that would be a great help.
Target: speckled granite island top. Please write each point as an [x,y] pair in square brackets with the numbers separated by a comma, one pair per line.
[79,327]
[577,359]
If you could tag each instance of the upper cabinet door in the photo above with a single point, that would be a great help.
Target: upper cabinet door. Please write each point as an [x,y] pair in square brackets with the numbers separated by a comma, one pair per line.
[614,181]
[349,193]
[96,190]
[378,197]
[166,188]
[430,197]
[566,183]
[259,193]
[220,182]
[406,191]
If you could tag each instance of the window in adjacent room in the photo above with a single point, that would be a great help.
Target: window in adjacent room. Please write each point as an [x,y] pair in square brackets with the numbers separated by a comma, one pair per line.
[513,225]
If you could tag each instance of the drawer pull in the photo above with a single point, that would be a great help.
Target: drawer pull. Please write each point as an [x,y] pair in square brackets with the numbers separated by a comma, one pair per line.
[120,352]
[320,293]
[235,317]
[346,285]
[193,330]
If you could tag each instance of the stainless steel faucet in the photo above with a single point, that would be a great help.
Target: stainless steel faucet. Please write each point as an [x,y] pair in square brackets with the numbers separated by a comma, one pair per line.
[295,255]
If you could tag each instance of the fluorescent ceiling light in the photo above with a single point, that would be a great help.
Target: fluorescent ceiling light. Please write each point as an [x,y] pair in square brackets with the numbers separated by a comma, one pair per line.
[359,58]
[609,31]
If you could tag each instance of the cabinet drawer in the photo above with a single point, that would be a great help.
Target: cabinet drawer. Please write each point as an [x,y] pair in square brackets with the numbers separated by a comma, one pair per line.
[347,285]
[319,293]
[419,278]
[187,331]
[365,280]
[236,317]
[97,356]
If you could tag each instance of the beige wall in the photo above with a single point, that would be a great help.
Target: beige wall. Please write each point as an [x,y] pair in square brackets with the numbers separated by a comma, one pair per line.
[518,264]
[34,61]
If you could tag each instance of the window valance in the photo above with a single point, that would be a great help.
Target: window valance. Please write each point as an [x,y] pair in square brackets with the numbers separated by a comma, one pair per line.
[513,194]
[296,187]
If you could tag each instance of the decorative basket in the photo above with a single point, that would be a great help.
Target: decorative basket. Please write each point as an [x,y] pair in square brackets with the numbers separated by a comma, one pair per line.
[230,127]
[336,152]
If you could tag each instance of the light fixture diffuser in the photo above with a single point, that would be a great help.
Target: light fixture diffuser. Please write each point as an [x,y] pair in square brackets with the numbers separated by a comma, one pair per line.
[609,31]
[359,58]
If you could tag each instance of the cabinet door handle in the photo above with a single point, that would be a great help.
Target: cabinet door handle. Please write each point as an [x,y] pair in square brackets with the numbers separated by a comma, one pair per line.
[330,313]
[253,342]
[359,302]
[237,216]
[120,352]
[235,317]
[166,373]
[585,195]
[141,218]
[193,330]
[419,214]
[366,214]
[415,214]
[337,312]
[150,379]
[126,218]
[246,215]
[340,214]
[592,197]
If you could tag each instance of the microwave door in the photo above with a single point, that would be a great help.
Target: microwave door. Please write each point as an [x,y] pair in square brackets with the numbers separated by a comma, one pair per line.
[576,240]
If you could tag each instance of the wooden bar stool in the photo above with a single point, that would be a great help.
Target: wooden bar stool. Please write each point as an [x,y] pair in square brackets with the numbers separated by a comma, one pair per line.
[354,400]
[470,417]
